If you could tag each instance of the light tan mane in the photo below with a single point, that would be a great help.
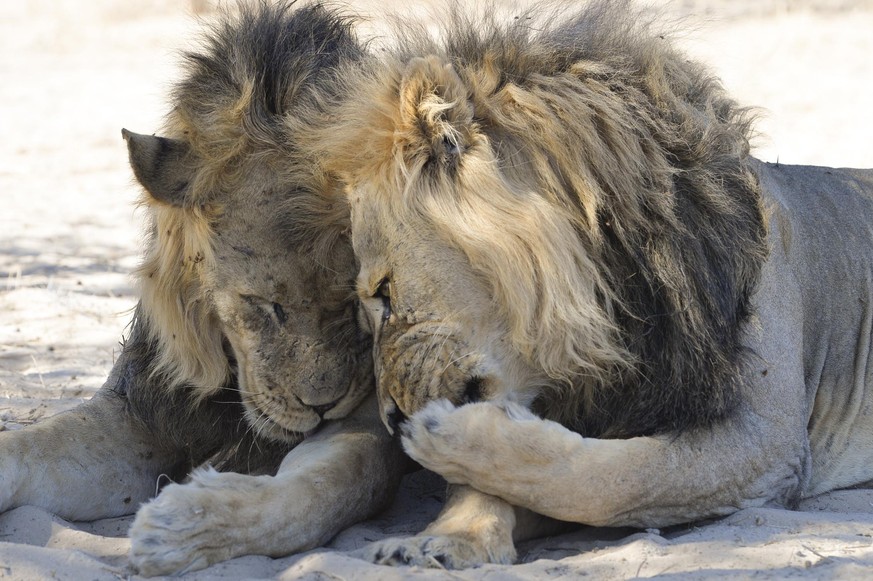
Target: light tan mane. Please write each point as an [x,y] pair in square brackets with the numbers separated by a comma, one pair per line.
[174,306]
[595,177]
[179,250]
[234,111]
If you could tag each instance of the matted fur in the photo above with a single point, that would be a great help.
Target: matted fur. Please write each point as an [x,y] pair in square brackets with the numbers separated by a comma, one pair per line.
[230,108]
[596,179]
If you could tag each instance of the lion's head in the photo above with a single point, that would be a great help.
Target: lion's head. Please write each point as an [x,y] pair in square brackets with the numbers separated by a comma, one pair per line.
[561,214]
[248,275]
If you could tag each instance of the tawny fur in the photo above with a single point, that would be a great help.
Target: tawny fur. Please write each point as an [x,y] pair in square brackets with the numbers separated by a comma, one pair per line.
[244,340]
[562,213]
[615,262]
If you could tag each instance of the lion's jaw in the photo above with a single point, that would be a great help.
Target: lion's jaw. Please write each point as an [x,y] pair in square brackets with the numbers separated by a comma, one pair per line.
[419,362]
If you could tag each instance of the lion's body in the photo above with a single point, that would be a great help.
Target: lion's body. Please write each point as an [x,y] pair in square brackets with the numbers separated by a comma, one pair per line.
[244,338]
[565,218]
[819,283]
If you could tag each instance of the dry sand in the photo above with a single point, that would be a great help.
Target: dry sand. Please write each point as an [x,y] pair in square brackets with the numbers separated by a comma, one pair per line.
[72,74]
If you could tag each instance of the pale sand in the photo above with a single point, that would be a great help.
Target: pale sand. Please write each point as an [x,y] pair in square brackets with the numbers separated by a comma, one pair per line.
[72,74]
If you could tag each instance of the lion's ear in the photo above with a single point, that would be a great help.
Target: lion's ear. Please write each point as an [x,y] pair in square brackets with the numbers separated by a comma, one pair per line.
[435,103]
[163,166]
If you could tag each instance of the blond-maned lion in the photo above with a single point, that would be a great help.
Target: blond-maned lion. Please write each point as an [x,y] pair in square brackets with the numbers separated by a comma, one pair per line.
[244,342]
[560,218]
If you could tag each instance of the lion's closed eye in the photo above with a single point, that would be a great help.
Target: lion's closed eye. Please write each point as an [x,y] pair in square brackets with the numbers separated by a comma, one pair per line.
[383,289]
[272,310]
[281,316]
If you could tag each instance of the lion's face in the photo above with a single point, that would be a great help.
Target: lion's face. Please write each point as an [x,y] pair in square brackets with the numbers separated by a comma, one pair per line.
[438,331]
[476,281]
[288,318]
[230,292]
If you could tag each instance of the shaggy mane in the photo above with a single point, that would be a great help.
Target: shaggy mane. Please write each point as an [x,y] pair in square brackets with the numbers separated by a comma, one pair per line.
[258,69]
[598,180]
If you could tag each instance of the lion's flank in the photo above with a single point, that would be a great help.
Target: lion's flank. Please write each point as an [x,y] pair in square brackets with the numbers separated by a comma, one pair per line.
[599,181]
[258,68]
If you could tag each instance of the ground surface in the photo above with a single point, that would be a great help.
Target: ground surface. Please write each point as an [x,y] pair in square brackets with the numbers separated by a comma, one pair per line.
[72,74]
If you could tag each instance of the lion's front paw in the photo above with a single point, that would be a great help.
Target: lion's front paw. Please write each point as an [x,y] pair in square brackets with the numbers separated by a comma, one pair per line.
[188,526]
[462,443]
[455,551]
[435,438]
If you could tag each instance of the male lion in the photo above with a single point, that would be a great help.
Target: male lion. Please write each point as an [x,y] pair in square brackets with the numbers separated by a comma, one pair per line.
[244,339]
[565,221]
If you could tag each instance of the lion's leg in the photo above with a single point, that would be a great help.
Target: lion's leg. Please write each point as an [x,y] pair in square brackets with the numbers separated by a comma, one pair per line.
[341,475]
[647,481]
[760,455]
[473,529]
[94,461]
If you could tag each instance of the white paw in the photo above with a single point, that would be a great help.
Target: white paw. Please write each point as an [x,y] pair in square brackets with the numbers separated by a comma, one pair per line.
[459,443]
[455,551]
[432,437]
[193,525]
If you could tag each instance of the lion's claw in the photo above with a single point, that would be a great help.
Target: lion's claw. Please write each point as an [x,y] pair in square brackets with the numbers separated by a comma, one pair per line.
[435,552]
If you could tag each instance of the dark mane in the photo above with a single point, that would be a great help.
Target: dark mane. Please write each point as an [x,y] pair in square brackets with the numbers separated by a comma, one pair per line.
[681,239]
[648,153]
[282,55]
[257,67]
[261,71]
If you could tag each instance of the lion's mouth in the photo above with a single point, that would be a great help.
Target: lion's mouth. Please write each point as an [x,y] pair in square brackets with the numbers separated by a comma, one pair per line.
[275,412]
[284,420]
[391,414]
[290,417]
[276,428]
[474,389]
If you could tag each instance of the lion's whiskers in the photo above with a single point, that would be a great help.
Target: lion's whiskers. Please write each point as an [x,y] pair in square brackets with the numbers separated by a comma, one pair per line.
[442,333]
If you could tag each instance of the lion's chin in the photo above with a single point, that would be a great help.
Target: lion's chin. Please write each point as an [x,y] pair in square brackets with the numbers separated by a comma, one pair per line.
[281,429]
[291,426]
[297,418]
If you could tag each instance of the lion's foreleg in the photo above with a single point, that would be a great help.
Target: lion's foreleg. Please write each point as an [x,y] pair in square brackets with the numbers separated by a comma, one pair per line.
[648,481]
[340,476]
[94,461]
[473,529]
[343,474]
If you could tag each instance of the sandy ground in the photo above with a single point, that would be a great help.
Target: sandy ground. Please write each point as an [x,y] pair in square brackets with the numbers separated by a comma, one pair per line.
[72,74]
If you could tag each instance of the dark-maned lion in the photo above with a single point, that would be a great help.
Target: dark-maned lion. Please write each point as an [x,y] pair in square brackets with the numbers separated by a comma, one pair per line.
[563,220]
[244,339]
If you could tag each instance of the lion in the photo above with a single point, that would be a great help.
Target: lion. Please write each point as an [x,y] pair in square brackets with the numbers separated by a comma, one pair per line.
[244,357]
[589,302]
